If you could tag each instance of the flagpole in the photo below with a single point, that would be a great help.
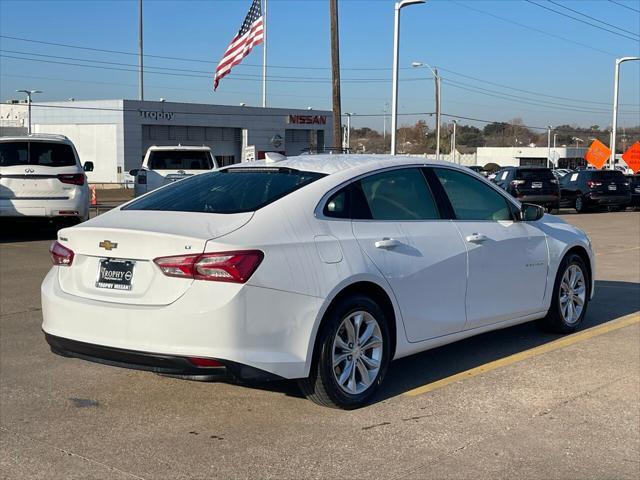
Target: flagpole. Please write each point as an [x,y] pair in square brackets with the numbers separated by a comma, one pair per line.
[264,55]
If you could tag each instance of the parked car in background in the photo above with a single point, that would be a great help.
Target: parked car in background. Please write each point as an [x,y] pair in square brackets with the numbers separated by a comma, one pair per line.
[318,268]
[561,172]
[167,164]
[531,185]
[634,187]
[41,176]
[478,169]
[586,189]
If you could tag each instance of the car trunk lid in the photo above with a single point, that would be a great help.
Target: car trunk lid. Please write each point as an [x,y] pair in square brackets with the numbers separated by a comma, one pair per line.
[113,254]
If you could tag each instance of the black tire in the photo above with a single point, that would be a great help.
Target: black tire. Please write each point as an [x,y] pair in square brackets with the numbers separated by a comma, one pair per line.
[580,204]
[553,209]
[321,386]
[555,320]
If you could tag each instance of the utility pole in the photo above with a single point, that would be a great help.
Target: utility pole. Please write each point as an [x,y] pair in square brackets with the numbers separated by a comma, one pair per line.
[28,93]
[140,55]
[436,78]
[335,74]
[616,87]
[453,142]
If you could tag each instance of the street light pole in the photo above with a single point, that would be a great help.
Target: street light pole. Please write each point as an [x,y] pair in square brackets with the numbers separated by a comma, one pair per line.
[616,86]
[394,84]
[28,93]
[436,77]
[549,127]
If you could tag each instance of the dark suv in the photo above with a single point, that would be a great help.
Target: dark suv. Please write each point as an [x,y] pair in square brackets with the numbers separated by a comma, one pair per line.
[531,185]
[586,189]
[634,186]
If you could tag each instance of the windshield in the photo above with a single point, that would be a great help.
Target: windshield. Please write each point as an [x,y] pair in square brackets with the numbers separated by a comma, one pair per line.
[180,160]
[534,174]
[228,191]
[44,154]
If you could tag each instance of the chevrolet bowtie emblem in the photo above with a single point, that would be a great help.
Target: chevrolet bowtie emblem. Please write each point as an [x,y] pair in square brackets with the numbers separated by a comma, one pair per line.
[108,245]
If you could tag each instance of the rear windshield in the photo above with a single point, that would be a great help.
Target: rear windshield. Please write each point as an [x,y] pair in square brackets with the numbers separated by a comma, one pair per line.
[228,191]
[180,160]
[535,174]
[609,175]
[44,154]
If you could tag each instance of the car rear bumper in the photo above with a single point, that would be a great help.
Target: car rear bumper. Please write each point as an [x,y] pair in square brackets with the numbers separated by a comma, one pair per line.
[75,206]
[539,199]
[268,330]
[601,199]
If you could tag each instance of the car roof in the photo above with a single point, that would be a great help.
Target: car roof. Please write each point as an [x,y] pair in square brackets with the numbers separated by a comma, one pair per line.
[154,148]
[329,164]
[38,137]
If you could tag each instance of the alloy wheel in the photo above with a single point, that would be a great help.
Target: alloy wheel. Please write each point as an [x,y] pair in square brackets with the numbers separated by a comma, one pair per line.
[573,294]
[357,352]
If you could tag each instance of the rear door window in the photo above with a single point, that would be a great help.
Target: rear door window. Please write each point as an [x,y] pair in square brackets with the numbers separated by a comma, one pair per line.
[180,160]
[228,191]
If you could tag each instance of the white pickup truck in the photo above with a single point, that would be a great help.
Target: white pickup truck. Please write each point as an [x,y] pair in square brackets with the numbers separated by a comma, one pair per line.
[166,164]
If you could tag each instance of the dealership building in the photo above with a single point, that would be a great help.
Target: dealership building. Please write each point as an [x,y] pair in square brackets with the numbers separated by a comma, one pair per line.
[561,157]
[115,134]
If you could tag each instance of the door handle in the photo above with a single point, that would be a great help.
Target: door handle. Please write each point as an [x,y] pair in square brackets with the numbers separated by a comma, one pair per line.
[476,238]
[387,243]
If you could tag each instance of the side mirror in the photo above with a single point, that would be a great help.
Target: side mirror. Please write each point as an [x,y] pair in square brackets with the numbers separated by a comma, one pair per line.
[88,166]
[134,172]
[531,213]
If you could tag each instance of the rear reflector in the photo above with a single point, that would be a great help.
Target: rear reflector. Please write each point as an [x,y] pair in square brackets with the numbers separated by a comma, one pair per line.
[234,267]
[205,362]
[67,212]
[61,255]
[72,178]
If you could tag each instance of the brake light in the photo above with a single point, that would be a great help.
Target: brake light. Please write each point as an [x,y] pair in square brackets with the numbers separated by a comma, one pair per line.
[205,362]
[61,255]
[593,183]
[142,177]
[234,267]
[72,178]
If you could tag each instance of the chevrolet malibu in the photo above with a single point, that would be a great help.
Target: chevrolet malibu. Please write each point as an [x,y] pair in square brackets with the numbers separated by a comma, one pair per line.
[317,268]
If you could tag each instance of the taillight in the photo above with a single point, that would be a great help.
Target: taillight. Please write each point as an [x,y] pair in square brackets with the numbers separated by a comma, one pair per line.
[235,267]
[142,177]
[593,184]
[72,178]
[61,255]
[205,362]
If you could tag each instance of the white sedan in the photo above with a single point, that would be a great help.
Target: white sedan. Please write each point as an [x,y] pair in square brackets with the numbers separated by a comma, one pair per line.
[318,268]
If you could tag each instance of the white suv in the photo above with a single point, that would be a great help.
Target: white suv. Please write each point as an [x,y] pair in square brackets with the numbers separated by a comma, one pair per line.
[41,176]
[164,165]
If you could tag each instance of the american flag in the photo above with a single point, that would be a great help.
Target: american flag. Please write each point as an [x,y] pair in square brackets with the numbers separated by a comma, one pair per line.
[251,34]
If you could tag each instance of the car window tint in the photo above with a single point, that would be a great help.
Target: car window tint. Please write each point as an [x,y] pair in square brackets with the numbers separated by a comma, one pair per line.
[179,160]
[229,191]
[51,154]
[338,205]
[531,174]
[471,199]
[399,195]
[13,153]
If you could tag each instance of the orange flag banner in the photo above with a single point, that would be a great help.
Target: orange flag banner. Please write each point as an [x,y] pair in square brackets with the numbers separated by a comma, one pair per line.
[632,157]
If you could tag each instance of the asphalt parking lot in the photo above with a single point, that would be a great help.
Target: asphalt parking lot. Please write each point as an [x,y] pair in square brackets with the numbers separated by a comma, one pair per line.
[516,403]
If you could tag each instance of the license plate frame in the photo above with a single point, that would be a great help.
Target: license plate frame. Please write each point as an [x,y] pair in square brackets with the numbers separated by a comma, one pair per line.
[115,274]
[536,184]
[613,188]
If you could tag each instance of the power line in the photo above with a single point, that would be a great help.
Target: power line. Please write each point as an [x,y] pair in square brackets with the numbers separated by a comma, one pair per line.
[581,21]
[528,27]
[592,18]
[624,6]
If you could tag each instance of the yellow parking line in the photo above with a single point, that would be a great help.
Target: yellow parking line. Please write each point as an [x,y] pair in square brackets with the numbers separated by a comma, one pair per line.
[548,347]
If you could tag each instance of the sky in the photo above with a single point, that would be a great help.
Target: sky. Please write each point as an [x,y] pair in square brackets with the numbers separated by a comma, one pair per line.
[498,59]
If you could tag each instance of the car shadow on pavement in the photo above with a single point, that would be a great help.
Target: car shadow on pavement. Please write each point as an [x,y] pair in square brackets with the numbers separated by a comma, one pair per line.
[612,300]
[28,230]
